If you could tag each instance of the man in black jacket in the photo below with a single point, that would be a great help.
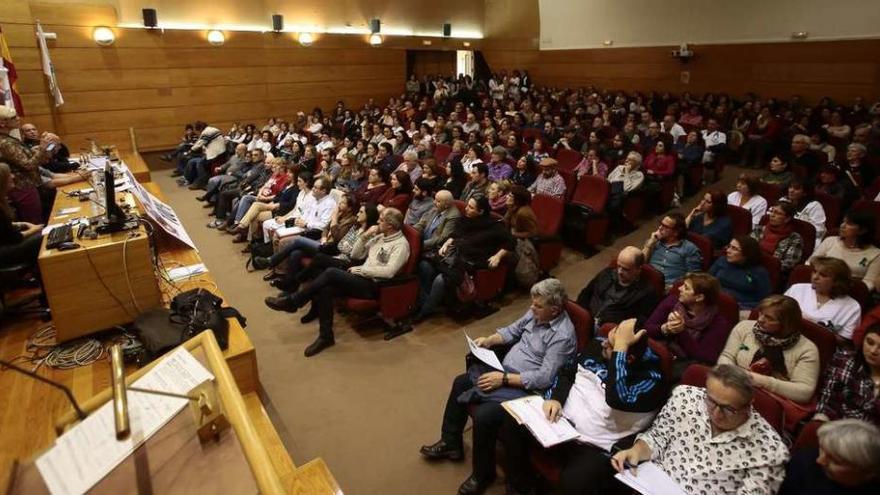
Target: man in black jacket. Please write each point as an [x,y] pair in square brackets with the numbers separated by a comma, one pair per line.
[609,394]
[618,293]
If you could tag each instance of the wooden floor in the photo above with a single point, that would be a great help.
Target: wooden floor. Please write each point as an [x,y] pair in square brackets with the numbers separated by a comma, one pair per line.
[29,408]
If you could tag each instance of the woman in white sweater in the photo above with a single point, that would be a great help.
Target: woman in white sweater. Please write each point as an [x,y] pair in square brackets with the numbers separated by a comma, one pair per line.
[854,245]
[807,209]
[746,196]
[825,301]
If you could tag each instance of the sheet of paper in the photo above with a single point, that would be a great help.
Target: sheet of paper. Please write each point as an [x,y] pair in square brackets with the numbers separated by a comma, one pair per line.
[484,355]
[288,231]
[650,480]
[184,272]
[68,211]
[89,451]
[529,411]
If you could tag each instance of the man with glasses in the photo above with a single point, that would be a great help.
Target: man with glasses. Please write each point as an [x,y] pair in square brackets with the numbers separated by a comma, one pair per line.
[669,252]
[711,440]
[618,293]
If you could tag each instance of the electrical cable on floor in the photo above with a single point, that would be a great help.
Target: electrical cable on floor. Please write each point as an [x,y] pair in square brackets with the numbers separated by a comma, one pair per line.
[42,350]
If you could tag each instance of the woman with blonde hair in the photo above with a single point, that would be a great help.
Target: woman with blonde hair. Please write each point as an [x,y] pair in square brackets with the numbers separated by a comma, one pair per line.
[825,300]
[778,357]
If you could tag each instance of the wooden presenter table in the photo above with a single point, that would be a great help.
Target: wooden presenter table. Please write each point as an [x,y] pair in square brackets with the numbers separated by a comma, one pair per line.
[29,409]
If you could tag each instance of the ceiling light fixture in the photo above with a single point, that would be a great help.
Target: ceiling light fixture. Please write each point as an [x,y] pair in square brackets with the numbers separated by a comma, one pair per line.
[103,36]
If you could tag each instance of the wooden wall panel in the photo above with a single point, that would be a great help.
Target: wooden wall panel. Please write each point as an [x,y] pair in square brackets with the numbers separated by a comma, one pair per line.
[839,69]
[433,62]
[156,82]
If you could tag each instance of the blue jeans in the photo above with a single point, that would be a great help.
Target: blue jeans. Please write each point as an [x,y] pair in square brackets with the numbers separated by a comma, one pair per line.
[300,243]
[244,205]
[432,288]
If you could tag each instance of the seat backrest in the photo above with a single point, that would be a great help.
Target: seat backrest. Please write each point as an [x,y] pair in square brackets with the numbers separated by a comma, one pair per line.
[873,206]
[727,305]
[774,270]
[807,232]
[549,211]
[415,247]
[770,192]
[832,206]
[441,152]
[704,244]
[568,159]
[800,274]
[460,205]
[665,356]
[592,192]
[568,176]
[824,340]
[740,220]
[583,323]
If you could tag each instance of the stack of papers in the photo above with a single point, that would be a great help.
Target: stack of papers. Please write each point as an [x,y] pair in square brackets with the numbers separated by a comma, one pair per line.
[487,356]
[184,272]
[89,451]
[529,411]
[650,480]
[289,231]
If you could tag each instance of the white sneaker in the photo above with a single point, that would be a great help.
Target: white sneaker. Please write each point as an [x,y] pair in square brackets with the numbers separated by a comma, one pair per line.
[676,201]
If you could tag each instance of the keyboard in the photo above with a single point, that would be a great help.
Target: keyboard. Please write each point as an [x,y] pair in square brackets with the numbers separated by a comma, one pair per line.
[58,235]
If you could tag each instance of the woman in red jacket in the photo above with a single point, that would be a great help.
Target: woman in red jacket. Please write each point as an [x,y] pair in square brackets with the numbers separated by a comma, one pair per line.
[399,194]
[659,166]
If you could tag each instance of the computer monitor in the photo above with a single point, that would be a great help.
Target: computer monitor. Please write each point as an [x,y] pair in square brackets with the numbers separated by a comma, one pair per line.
[114,218]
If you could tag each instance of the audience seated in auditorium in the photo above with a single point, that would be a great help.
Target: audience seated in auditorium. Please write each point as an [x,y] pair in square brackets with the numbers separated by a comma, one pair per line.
[825,300]
[850,383]
[846,462]
[778,239]
[267,207]
[690,322]
[709,218]
[304,200]
[746,196]
[342,220]
[611,391]
[541,342]
[803,156]
[548,182]
[714,140]
[712,439]
[498,194]
[313,216]
[741,273]
[387,250]
[498,169]
[670,252]
[438,223]
[617,293]
[524,174]
[772,349]
[806,208]
[591,164]
[456,178]
[476,243]
[854,244]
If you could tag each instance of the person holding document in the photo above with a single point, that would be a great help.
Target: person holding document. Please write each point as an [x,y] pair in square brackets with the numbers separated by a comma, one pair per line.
[542,341]
[609,393]
[711,440]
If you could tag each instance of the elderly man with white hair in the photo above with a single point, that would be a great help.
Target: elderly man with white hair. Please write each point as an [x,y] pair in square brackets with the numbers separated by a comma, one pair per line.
[411,165]
[854,168]
[846,462]
[542,341]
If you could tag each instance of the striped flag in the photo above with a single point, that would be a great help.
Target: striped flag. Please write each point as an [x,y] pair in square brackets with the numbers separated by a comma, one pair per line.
[48,68]
[8,76]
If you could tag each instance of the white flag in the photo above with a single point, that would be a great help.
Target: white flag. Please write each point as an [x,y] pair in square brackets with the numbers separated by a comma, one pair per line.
[48,68]
[5,88]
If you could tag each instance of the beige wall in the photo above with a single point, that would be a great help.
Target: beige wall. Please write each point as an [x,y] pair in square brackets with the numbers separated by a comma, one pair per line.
[567,24]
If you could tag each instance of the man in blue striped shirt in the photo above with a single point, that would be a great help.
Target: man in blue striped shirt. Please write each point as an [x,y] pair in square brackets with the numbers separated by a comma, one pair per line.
[609,393]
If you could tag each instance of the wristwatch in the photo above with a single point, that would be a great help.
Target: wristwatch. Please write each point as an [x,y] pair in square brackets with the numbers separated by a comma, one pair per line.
[504,380]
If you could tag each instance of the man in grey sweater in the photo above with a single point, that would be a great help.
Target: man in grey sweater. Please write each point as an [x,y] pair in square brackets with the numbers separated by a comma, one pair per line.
[387,251]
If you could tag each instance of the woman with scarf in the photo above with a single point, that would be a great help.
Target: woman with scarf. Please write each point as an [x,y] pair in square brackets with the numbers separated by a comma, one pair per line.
[498,193]
[778,357]
[778,238]
[690,324]
[474,244]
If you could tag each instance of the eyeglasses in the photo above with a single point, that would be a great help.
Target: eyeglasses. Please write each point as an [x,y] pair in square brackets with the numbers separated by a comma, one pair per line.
[666,226]
[725,409]
[734,248]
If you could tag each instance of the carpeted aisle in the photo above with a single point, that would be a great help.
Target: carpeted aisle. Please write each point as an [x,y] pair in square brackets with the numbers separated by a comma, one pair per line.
[364,405]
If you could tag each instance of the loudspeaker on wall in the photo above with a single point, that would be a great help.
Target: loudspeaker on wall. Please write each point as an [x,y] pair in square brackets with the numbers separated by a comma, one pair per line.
[447,29]
[150,19]
[375,26]
[277,22]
